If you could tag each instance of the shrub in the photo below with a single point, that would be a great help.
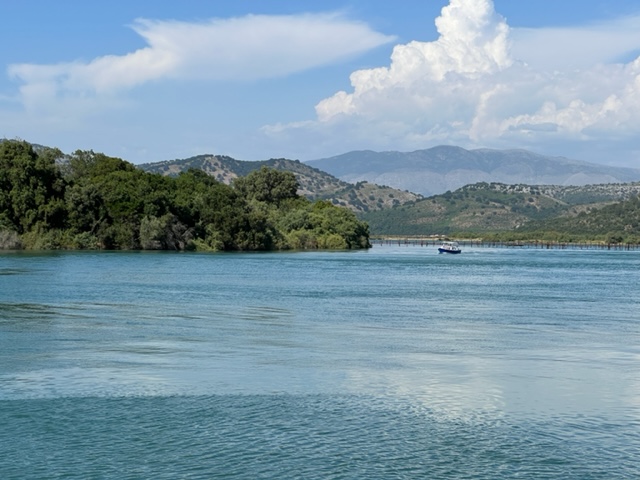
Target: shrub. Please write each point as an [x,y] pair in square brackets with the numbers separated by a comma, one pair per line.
[10,240]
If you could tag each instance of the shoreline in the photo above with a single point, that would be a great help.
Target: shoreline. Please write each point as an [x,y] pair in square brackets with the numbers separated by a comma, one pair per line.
[540,244]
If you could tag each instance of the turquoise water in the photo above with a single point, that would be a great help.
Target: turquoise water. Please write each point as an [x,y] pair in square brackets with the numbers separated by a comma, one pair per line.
[395,362]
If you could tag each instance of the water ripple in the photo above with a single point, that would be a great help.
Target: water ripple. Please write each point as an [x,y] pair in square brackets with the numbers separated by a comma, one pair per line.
[288,436]
[390,363]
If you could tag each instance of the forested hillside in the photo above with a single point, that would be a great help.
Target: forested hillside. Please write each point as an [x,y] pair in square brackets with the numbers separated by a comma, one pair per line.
[511,212]
[615,223]
[92,201]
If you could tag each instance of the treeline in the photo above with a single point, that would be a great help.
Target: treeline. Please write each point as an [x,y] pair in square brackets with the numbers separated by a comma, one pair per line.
[93,201]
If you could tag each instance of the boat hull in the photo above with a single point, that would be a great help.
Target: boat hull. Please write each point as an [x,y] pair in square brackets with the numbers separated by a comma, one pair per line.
[446,250]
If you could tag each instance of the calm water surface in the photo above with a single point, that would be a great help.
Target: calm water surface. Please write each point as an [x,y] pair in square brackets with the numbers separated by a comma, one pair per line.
[395,362]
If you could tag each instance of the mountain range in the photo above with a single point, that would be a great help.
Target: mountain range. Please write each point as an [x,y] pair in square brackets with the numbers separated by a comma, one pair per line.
[446,168]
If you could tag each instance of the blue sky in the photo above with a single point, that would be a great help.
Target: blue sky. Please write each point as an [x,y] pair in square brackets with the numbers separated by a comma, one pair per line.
[256,79]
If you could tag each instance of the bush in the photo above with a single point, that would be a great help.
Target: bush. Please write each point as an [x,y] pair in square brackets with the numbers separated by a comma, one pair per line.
[332,242]
[49,240]
[301,240]
[10,240]
[85,241]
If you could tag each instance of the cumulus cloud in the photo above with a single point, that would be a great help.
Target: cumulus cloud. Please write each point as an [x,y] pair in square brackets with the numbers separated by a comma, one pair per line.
[482,84]
[473,42]
[245,48]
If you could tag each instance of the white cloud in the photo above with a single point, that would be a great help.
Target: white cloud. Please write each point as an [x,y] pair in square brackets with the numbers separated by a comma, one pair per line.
[482,84]
[472,43]
[245,48]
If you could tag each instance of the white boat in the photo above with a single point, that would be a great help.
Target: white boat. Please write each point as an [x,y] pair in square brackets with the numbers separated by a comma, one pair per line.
[449,247]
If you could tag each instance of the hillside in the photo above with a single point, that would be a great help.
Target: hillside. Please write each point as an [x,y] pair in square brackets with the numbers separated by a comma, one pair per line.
[439,169]
[314,183]
[615,223]
[483,208]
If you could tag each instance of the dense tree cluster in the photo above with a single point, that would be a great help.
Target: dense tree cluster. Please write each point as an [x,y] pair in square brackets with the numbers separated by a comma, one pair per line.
[92,201]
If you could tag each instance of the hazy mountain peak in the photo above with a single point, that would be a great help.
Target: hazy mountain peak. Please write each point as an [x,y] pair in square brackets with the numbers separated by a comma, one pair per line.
[446,167]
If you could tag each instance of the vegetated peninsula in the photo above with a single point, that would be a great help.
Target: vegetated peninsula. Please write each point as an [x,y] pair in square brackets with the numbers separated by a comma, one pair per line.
[93,201]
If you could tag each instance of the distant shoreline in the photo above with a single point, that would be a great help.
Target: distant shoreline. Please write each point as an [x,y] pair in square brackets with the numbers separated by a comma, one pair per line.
[431,241]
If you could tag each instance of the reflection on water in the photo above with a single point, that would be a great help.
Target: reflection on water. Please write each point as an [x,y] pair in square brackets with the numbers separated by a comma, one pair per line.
[490,329]
[396,362]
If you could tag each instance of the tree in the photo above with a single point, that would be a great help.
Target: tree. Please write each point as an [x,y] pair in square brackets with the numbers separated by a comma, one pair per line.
[267,185]
[31,188]
[164,233]
[215,211]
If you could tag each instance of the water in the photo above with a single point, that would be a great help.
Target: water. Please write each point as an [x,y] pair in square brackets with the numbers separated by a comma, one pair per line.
[395,362]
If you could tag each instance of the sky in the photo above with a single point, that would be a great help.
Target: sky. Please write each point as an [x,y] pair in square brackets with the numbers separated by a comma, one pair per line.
[153,80]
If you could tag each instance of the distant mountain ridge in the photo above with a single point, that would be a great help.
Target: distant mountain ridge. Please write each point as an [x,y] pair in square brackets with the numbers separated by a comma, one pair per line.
[446,168]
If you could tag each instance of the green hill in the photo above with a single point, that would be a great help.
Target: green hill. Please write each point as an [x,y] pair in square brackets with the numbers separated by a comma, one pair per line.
[615,223]
[314,184]
[496,209]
